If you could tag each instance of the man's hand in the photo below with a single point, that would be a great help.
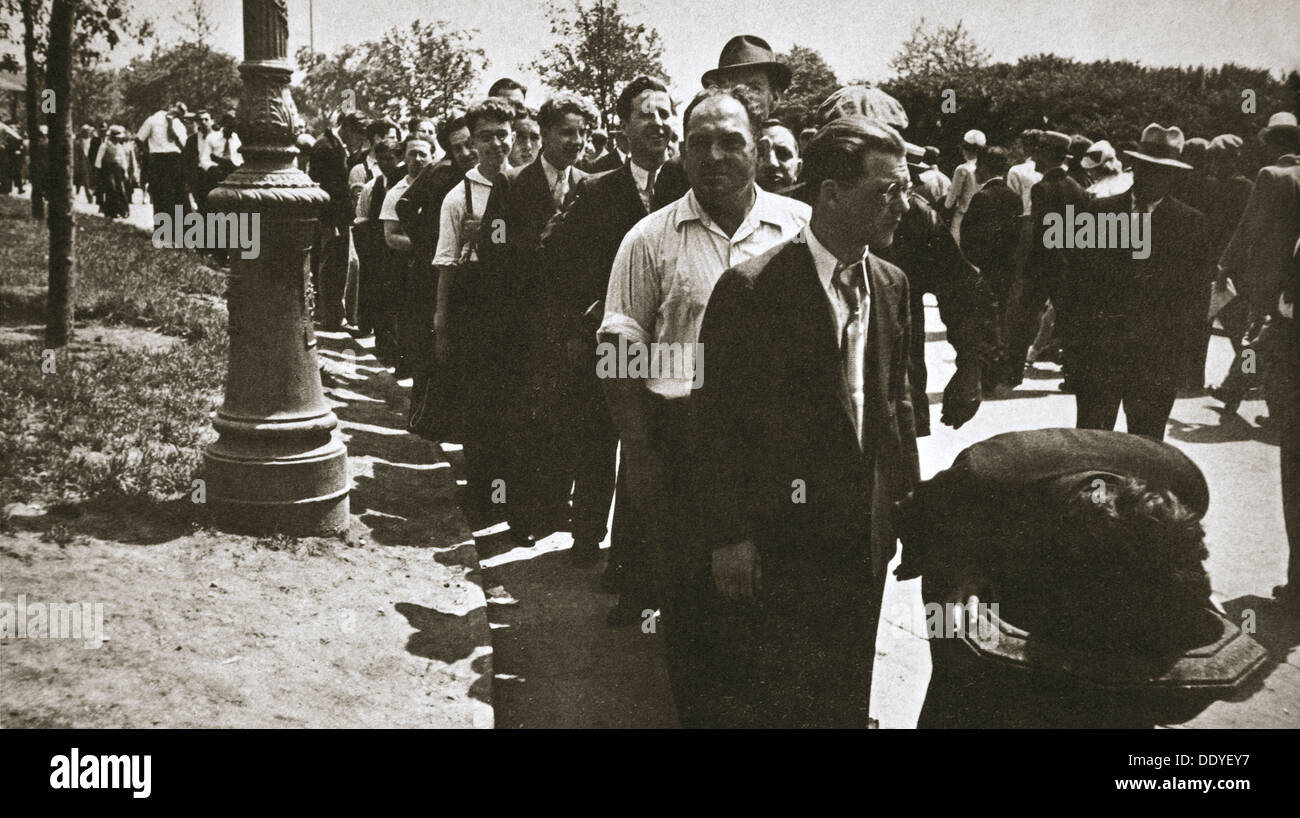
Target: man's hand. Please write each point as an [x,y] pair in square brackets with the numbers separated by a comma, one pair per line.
[961,398]
[737,573]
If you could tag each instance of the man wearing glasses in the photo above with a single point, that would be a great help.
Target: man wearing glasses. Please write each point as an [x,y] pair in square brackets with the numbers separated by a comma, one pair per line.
[806,438]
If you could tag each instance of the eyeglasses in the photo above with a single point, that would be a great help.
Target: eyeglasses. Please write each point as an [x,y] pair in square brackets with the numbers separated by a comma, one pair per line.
[898,190]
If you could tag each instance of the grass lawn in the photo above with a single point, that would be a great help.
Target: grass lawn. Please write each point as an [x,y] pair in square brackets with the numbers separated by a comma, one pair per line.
[125,412]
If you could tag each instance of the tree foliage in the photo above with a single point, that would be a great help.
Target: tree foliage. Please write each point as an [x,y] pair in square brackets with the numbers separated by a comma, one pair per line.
[596,51]
[1109,99]
[198,75]
[425,69]
[99,26]
[946,50]
[811,82]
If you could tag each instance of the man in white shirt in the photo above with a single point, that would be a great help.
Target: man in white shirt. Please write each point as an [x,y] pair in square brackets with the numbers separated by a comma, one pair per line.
[658,290]
[964,185]
[164,136]
[1022,177]
[467,321]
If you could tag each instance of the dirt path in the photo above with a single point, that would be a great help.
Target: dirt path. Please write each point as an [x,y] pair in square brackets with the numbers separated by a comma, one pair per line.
[387,629]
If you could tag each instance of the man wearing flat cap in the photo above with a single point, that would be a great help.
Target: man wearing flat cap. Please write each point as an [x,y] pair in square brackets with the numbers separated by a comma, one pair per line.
[1137,309]
[926,251]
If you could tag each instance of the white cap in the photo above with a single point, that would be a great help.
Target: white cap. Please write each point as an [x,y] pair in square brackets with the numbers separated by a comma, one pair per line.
[1101,153]
[975,139]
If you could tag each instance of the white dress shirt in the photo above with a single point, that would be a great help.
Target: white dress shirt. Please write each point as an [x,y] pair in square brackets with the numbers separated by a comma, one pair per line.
[668,263]
[154,133]
[451,239]
[642,178]
[1022,178]
[216,144]
[559,181]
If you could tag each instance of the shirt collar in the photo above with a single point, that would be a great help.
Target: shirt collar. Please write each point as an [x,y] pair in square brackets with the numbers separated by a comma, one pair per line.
[475,176]
[552,172]
[994,179]
[824,259]
[765,210]
[639,175]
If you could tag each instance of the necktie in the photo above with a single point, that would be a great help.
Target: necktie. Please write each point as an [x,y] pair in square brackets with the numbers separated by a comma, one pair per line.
[650,189]
[850,283]
[557,193]
[171,131]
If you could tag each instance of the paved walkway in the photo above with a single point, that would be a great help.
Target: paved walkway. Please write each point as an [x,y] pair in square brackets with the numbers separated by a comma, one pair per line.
[558,665]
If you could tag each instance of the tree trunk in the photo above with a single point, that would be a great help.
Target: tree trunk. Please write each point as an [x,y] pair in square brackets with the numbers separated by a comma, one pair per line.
[58,67]
[33,132]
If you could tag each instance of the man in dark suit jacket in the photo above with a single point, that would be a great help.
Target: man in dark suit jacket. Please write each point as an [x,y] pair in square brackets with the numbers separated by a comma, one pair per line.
[1045,268]
[612,159]
[523,200]
[805,439]
[578,251]
[989,235]
[1138,307]
[329,169]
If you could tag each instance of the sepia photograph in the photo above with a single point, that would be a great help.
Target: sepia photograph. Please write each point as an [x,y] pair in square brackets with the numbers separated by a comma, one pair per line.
[650,364]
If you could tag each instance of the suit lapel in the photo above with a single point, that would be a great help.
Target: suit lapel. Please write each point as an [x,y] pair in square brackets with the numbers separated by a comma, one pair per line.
[630,198]
[813,310]
[882,331]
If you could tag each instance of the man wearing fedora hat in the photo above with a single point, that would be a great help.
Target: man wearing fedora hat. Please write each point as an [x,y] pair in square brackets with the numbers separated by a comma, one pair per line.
[745,60]
[1044,267]
[1136,319]
[749,60]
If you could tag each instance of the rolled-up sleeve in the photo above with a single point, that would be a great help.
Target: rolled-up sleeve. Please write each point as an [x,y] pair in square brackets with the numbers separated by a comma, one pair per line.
[633,296]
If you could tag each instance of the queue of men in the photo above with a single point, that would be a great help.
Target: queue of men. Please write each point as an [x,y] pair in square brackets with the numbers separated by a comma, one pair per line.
[720,335]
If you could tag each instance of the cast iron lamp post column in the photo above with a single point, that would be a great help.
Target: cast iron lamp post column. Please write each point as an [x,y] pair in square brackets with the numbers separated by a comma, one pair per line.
[279,464]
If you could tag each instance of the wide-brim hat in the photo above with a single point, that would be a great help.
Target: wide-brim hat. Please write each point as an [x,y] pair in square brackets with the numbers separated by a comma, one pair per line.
[865,101]
[1281,122]
[1161,146]
[748,51]
[1099,153]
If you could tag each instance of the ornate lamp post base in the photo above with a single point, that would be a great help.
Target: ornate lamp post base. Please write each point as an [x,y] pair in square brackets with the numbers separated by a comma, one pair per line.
[279,464]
